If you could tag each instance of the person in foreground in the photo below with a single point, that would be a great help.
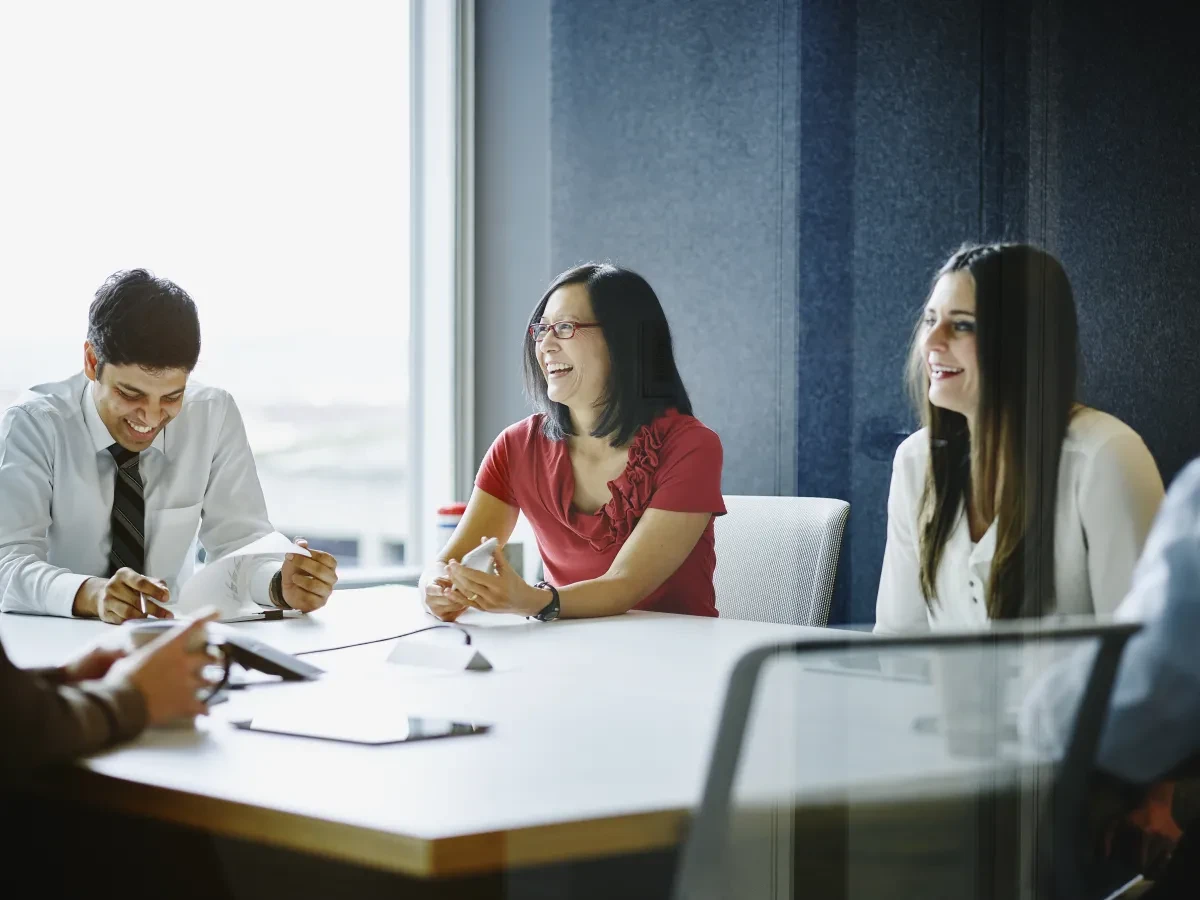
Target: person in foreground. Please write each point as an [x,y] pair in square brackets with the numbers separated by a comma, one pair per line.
[1151,736]
[1013,500]
[107,476]
[98,699]
[618,480]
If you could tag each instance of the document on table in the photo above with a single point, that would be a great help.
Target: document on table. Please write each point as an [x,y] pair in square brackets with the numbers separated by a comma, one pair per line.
[220,582]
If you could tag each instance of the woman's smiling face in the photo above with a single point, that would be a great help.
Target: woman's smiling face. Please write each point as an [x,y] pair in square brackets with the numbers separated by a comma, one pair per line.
[948,344]
[576,369]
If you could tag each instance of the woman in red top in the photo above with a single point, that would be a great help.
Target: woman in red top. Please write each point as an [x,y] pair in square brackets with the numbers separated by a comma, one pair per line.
[619,482]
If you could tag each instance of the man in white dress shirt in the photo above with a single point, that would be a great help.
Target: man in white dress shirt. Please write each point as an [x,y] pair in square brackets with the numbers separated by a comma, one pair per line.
[106,477]
[1153,722]
[1152,730]
[1153,727]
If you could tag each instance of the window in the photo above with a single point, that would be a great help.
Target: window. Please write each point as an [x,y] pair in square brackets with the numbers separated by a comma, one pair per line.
[257,153]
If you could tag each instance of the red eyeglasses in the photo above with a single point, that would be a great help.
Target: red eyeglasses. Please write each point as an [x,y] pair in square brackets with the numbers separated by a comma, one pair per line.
[564,331]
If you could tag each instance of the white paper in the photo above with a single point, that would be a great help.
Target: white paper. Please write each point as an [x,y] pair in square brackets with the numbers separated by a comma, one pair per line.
[219,583]
[273,544]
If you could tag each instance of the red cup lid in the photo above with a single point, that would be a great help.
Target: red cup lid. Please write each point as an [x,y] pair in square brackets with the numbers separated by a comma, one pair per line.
[453,509]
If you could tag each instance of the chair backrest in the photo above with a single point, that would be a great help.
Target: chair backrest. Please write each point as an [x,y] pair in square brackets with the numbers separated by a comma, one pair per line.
[777,558]
[893,767]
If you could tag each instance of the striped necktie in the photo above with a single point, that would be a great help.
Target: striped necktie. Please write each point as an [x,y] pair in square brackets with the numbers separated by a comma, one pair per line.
[128,514]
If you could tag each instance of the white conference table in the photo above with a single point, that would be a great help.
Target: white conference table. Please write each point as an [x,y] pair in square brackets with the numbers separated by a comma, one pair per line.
[601,736]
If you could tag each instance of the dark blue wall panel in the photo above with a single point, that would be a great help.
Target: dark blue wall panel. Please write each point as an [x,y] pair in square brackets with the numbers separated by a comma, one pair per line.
[916,197]
[673,152]
[789,174]
[825,353]
[1123,178]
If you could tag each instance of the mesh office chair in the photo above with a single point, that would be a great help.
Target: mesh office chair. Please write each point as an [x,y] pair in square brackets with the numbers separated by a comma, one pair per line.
[840,769]
[777,558]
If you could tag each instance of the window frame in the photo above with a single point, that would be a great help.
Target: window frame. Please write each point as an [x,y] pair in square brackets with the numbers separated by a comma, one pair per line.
[442,296]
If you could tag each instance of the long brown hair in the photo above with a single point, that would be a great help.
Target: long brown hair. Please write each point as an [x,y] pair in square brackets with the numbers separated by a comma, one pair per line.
[1027,344]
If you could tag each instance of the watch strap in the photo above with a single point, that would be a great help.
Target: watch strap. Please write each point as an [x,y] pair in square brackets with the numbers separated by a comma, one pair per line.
[275,591]
[549,612]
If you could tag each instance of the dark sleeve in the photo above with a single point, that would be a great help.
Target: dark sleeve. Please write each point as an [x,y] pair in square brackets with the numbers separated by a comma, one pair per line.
[688,478]
[46,721]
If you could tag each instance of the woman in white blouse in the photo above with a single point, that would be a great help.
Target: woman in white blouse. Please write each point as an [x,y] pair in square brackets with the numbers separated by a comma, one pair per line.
[1014,500]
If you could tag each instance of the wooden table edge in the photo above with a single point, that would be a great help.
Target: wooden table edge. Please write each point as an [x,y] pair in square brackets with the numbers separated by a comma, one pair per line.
[472,854]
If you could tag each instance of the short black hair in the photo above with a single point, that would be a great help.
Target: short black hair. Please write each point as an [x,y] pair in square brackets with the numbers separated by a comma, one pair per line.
[138,319]
[643,380]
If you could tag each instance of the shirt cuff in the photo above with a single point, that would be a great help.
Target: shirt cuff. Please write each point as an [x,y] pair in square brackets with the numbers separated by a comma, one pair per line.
[123,706]
[260,582]
[60,595]
[54,675]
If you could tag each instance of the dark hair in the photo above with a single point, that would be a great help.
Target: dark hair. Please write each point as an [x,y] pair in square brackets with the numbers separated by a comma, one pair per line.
[1027,346]
[643,380]
[137,319]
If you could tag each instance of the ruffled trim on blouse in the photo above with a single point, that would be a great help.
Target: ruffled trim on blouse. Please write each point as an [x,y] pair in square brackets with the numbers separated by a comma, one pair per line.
[631,490]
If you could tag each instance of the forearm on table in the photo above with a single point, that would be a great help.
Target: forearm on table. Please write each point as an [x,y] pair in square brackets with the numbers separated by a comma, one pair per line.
[60,722]
[32,585]
[608,595]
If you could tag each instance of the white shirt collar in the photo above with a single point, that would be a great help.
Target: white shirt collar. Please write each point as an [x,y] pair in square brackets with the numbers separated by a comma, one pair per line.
[982,552]
[102,439]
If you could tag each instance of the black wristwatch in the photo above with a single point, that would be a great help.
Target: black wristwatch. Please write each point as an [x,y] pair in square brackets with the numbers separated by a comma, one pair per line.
[550,611]
[275,591]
